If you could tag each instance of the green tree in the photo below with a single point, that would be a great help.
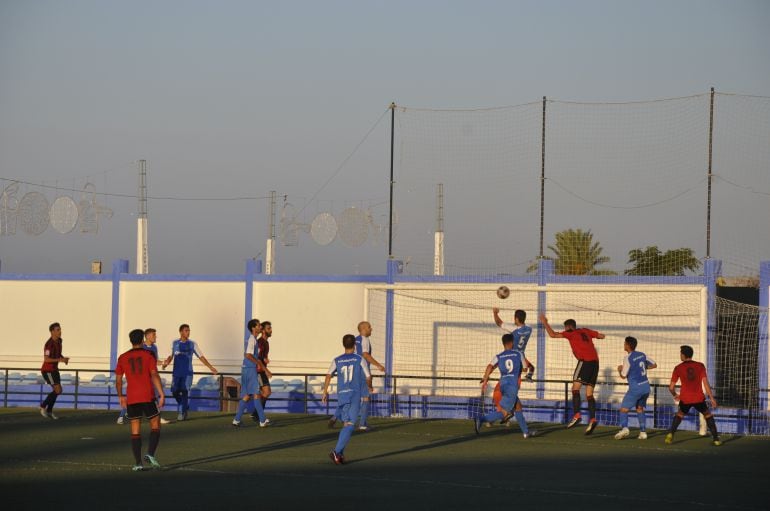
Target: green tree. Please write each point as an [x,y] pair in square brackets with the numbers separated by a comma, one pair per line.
[651,261]
[576,253]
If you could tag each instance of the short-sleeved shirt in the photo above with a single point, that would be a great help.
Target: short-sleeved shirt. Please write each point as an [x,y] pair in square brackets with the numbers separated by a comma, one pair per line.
[352,372]
[251,347]
[363,346]
[183,356]
[264,349]
[152,349]
[52,349]
[582,344]
[521,335]
[691,374]
[138,364]
[635,365]
[509,362]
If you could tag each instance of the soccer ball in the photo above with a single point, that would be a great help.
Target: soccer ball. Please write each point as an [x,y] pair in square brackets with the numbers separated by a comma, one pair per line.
[503,292]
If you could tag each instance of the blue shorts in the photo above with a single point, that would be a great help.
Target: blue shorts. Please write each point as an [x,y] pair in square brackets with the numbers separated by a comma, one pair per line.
[348,406]
[509,387]
[249,381]
[181,382]
[636,397]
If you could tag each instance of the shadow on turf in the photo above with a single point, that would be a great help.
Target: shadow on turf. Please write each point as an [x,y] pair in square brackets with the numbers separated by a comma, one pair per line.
[326,437]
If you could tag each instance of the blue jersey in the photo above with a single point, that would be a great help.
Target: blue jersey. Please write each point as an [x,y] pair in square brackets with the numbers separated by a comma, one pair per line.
[521,335]
[183,356]
[363,346]
[635,366]
[352,372]
[251,347]
[509,362]
[152,349]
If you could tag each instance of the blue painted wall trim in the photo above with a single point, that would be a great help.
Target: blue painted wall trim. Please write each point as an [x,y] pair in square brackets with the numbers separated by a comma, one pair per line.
[56,276]
[544,274]
[712,269]
[119,268]
[764,302]
[393,268]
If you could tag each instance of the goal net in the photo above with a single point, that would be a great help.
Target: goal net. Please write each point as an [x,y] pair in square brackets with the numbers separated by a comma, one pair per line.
[444,335]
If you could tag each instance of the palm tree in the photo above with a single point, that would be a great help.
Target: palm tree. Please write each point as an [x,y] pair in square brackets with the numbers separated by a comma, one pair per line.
[651,261]
[577,254]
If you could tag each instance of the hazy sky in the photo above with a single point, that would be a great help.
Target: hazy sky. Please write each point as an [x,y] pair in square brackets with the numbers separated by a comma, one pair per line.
[234,99]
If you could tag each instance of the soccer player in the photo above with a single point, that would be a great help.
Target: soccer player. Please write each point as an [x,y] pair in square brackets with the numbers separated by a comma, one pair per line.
[52,355]
[141,370]
[263,345]
[150,337]
[364,349]
[182,351]
[521,333]
[509,362]
[352,373]
[249,379]
[694,380]
[634,368]
[587,370]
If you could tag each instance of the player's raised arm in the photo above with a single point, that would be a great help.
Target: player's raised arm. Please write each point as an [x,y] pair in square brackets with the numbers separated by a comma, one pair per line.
[551,332]
[496,315]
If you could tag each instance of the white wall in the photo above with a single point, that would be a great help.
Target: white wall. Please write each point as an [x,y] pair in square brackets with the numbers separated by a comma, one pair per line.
[82,307]
[309,320]
[214,311]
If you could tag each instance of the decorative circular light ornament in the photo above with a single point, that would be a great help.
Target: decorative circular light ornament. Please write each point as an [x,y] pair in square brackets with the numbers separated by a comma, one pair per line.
[353,227]
[33,213]
[64,214]
[324,228]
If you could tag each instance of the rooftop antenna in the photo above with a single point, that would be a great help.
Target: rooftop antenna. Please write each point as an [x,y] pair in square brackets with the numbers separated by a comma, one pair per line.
[142,255]
[270,249]
[438,237]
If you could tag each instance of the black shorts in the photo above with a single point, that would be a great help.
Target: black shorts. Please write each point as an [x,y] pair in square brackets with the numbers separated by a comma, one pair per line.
[701,407]
[139,410]
[586,372]
[52,377]
[263,380]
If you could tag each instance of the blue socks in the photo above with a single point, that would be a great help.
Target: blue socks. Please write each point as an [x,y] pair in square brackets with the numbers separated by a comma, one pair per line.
[241,408]
[256,403]
[623,419]
[522,422]
[344,438]
[492,417]
[364,414]
[642,420]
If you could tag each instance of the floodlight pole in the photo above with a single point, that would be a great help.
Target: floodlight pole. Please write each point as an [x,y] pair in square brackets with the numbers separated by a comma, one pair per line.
[542,182]
[392,142]
[710,177]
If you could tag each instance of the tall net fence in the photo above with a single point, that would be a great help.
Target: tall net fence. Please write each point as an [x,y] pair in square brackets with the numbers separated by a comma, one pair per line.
[625,186]
[444,337]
